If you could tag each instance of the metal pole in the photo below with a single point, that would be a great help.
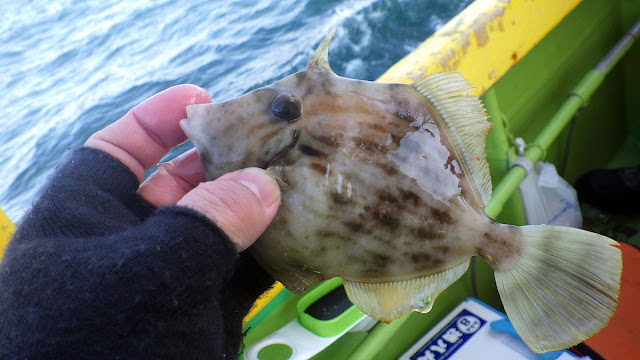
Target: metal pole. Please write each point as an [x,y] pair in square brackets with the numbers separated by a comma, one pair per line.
[576,100]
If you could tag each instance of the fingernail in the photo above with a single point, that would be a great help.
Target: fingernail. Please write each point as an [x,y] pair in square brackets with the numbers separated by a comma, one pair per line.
[188,165]
[261,184]
[196,97]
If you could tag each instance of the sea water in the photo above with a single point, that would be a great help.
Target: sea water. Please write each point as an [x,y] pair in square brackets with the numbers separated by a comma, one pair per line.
[69,68]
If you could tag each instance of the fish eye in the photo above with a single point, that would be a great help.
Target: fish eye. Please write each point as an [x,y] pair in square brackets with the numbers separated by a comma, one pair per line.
[286,106]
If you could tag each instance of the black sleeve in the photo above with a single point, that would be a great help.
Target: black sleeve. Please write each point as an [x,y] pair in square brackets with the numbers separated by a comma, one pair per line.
[95,271]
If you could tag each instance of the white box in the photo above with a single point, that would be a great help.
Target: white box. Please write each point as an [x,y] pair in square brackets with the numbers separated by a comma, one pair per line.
[466,333]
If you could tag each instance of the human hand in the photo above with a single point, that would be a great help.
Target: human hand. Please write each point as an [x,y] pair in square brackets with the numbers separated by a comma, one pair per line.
[241,203]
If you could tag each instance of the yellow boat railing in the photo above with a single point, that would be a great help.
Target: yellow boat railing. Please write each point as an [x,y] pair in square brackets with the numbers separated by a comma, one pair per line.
[6,231]
[482,42]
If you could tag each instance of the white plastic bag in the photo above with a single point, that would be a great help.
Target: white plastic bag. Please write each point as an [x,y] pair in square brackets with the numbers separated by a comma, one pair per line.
[546,197]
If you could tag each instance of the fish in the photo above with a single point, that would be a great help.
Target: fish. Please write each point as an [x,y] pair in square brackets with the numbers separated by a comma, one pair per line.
[384,185]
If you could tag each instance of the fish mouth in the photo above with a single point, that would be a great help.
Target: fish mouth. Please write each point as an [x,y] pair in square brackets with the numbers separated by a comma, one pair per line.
[294,140]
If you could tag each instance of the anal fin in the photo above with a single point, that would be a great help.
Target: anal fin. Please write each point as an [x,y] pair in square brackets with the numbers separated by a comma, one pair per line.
[387,301]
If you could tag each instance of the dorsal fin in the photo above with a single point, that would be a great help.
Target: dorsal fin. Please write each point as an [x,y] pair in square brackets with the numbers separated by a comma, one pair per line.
[320,58]
[467,122]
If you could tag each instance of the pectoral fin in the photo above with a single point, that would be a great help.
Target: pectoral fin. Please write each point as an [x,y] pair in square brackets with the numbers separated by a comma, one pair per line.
[387,301]
[278,173]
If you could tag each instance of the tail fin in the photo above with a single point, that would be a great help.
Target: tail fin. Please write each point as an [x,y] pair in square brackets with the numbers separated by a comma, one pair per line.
[563,289]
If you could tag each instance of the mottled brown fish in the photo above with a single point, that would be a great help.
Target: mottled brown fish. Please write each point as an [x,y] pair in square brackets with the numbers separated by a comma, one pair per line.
[384,185]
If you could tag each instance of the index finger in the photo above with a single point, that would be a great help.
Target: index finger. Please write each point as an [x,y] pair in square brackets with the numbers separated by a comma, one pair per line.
[148,131]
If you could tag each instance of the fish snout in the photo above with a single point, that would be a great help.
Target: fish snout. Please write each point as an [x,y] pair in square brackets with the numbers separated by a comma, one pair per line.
[229,138]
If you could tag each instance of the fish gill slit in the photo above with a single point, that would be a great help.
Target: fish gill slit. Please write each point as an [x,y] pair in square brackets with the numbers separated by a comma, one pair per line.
[289,146]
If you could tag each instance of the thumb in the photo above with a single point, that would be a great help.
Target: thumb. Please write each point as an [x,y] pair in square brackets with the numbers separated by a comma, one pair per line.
[242,203]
